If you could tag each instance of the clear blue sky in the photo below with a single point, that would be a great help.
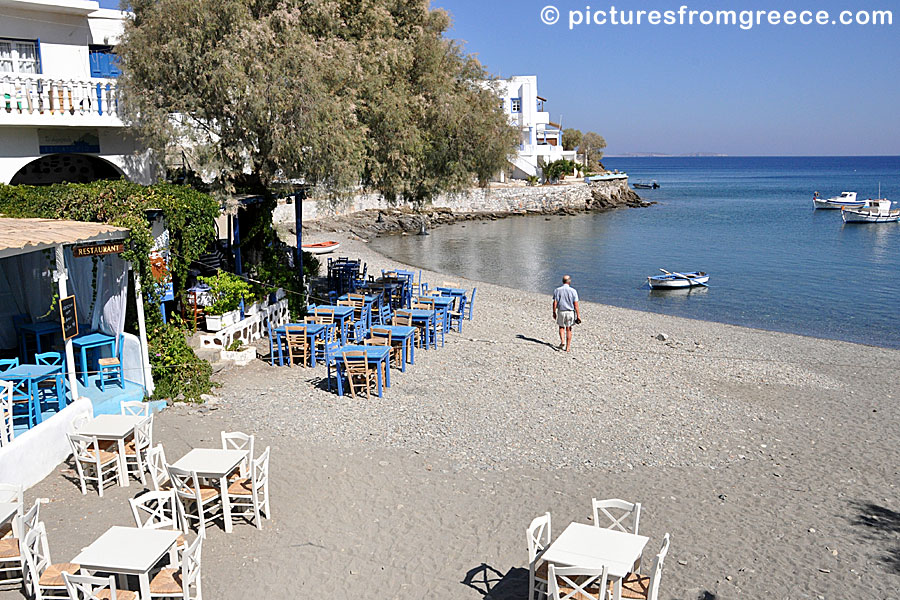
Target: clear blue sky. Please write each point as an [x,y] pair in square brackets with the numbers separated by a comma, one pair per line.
[786,90]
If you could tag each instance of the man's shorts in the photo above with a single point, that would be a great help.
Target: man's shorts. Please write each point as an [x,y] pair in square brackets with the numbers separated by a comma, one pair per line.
[565,318]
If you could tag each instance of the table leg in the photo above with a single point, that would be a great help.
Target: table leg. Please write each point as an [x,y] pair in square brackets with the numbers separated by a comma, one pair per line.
[617,589]
[280,351]
[123,471]
[412,350]
[404,354]
[312,350]
[339,375]
[84,365]
[35,403]
[378,371]
[60,391]
[387,371]
[144,582]
[226,504]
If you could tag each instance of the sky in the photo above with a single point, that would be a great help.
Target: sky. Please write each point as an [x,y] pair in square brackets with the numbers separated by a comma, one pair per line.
[771,90]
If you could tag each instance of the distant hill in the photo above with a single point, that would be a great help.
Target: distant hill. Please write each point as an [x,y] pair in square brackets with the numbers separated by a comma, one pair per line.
[662,155]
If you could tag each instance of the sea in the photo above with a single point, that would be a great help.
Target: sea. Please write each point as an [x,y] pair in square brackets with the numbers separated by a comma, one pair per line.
[774,262]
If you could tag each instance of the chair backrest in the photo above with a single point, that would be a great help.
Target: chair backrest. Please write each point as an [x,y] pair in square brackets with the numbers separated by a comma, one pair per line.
[471,302]
[259,470]
[156,510]
[6,412]
[426,303]
[381,332]
[326,315]
[238,440]
[330,332]
[136,408]
[8,363]
[185,484]
[10,492]
[190,569]
[36,553]
[29,520]
[86,587]
[143,434]
[356,362]
[450,284]
[84,447]
[345,303]
[577,583]
[359,332]
[295,336]
[403,318]
[538,536]
[48,358]
[656,572]
[614,514]
[156,465]
[77,423]
[356,297]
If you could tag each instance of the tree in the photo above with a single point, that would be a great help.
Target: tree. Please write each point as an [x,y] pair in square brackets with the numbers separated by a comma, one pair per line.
[571,139]
[592,148]
[336,94]
[558,169]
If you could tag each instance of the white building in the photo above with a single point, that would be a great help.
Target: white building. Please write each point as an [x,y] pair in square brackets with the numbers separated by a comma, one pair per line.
[541,141]
[59,112]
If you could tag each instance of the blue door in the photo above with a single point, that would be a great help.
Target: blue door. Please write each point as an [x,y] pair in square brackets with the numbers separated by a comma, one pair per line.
[104,63]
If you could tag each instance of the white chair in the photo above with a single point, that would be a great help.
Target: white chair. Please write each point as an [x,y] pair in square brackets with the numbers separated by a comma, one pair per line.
[85,587]
[136,409]
[6,413]
[92,463]
[538,538]
[237,440]
[42,577]
[10,536]
[610,508]
[642,587]
[136,449]
[156,466]
[77,423]
[184,582]
[577,583]
[158,510]
[203,500]
[252,493]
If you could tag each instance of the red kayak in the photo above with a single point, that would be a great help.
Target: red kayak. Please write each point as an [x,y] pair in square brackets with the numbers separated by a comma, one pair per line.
[321,248]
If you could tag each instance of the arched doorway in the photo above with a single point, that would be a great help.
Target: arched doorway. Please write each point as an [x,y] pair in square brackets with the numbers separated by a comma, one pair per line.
[60,168]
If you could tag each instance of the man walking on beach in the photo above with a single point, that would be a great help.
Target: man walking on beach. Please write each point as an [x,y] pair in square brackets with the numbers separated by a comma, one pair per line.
[565,311]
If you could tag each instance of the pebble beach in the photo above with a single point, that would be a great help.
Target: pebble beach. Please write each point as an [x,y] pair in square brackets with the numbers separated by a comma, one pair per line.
[770,459]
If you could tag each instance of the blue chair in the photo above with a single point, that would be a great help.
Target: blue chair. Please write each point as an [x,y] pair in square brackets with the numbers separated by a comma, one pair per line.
[111,368]
[330,351]
[359,332]
[272,338]
[22,407]
[8,363]
[458,315]
[472,302]
[49,358]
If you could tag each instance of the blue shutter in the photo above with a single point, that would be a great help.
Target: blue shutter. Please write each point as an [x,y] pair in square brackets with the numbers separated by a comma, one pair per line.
[37,51]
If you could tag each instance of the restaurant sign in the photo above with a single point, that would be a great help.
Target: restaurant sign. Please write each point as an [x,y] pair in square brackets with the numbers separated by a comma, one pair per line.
[98,249]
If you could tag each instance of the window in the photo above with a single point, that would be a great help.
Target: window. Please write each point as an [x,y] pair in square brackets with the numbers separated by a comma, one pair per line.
[104,63]
[17,56]
[515,105]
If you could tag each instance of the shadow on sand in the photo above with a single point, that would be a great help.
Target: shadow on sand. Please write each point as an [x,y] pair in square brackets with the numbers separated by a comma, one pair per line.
[494,585]
[880,525]
[536,341]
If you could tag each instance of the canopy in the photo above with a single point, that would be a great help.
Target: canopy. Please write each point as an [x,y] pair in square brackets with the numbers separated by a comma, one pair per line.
[21,236]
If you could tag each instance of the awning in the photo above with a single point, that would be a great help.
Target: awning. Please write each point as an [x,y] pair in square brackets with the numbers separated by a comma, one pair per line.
[21,236]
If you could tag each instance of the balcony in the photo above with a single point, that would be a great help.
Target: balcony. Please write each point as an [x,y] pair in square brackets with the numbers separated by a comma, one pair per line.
[38,100]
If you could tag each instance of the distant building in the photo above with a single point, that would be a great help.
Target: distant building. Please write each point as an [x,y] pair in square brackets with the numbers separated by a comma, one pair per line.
[541,139]
[59,107]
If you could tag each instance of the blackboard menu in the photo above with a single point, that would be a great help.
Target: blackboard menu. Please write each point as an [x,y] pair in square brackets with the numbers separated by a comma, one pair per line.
[69,317]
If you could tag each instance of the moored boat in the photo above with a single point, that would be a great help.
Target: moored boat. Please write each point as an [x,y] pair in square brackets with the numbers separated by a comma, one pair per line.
[874,211]
[321,247]
[645,185]
[674,281]
[847,199]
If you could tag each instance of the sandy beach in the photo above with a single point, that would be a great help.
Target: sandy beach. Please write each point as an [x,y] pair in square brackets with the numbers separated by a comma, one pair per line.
[769,458]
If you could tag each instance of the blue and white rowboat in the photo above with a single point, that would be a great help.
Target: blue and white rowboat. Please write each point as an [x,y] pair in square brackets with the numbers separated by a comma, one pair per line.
[674,281]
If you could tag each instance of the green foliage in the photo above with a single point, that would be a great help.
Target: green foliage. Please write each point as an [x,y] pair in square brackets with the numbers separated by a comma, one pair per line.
[236,345]
[592,147]
[532,180]
[225,291]
[558,169]
[333,93]
[571,138]
[176,369]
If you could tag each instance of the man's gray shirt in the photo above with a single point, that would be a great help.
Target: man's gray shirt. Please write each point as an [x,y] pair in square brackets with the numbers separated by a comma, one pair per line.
[565,297]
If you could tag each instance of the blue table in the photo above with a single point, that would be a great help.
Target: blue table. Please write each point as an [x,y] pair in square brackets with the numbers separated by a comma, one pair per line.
[429,319]
[379,356]
[407,336]
[38,330]
[453,292]
[341,315]
[368,303]
[92,341]
[35,374]
[313,331]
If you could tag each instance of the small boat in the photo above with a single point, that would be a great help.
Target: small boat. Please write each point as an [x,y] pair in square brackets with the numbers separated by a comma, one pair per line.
[644,185]
[846,199]
[321,247]
[674,281]
[874,211]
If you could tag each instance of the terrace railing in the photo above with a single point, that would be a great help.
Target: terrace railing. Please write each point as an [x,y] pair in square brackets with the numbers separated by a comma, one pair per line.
[39,99]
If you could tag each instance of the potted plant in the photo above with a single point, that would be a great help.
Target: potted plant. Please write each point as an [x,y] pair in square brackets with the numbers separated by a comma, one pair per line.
[239,354]
[225,292]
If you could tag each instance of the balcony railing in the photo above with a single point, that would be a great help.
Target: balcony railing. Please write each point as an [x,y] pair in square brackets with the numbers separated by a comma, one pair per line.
[40,98]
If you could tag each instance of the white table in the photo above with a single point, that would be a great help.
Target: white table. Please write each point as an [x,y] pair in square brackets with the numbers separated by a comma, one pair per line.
[214,464]
[128,551]
[115,428]
[8,510]
[588,546]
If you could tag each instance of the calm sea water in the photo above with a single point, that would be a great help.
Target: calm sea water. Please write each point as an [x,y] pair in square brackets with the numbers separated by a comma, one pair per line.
[774,262]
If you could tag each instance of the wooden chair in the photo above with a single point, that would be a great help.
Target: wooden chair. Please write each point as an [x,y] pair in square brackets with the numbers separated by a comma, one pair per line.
[297,344]
[183,582]
[238,440]
[43,578]
[640,587]
[191,305]
[111,367]
[450,284]
[251,494]
[577,583]
[93,463]
[156,467]
[136,449]
[158,510]
[404,318]
[537,537]
[359,374]
[87,587]
[198,503]
[325,316]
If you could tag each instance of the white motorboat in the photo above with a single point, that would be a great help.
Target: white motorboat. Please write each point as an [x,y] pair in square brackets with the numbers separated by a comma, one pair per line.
[846,199]
[674,281]
[874,211]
